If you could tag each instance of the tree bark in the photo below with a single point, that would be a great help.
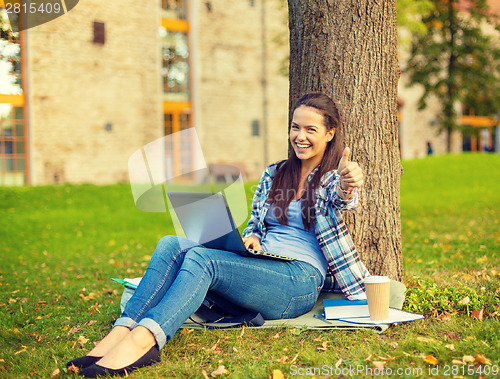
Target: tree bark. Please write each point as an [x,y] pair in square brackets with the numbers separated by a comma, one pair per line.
[348,50]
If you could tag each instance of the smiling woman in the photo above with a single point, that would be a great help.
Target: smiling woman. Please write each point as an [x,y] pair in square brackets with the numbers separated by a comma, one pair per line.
[309,230]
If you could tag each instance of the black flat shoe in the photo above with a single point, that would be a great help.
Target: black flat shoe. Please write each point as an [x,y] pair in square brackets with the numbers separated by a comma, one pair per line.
[152,356]
[83,362]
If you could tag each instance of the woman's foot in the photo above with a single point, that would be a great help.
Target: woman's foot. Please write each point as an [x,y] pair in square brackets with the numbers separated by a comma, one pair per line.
[83,362]
[137,349]
[103,347]
[113,338]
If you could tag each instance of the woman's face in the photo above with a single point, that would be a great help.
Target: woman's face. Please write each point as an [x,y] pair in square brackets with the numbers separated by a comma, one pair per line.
[308,135]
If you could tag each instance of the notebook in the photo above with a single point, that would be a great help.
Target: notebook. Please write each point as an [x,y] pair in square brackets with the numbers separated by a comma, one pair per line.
[207,220]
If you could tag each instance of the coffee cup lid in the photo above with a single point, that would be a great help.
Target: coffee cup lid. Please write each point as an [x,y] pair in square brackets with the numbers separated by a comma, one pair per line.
[377,279]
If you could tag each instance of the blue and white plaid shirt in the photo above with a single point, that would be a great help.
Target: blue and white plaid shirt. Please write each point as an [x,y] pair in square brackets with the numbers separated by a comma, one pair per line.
[345,272]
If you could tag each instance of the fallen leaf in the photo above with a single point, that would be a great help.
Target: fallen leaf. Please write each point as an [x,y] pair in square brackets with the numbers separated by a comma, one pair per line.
[74,329]
[477,314]
[379,364]
[452,336]
[21,351]
[317,339]
[425,339]
[339,362]
[431,359]
[457,362]
[276,336]
[388,358]
[73,368]
[205,375]
[369,358]
[82,340]
[283,359]
[450,346]
[445,316]
[277,374]
[464,301]
[468,358]
[481,359]
[215,348]
[242,331]
[394,344]
[323,346]
[92,322]
[221,370]
[483,259]
[55,373]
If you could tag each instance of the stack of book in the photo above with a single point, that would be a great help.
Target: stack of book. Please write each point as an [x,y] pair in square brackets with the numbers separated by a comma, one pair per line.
[356,312]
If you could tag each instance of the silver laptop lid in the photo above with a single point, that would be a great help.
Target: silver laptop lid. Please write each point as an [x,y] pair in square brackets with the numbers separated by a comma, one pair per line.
[204,217]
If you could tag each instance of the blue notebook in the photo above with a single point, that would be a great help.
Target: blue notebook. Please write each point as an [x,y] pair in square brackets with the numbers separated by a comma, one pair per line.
[334,309]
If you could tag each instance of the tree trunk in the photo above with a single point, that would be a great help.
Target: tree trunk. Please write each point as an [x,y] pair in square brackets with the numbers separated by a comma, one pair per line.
[348,50]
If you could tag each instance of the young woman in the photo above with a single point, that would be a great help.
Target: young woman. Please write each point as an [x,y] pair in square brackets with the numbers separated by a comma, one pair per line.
[296,212]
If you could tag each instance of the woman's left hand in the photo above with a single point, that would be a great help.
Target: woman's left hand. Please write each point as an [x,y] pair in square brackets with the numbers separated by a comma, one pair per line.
[351,175]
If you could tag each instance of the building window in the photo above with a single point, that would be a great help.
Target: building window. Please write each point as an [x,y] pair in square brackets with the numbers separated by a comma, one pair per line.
[174,9]
[255,128]
[13,152]
[175,72]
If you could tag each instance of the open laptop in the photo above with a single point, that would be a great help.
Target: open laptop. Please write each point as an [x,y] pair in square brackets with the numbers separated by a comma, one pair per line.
[207,220]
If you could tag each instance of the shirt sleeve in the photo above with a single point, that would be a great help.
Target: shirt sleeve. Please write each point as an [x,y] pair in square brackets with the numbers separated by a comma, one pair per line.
[257,203]
[330,182]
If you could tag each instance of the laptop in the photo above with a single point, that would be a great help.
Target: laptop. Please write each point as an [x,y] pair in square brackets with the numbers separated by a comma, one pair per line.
[207,220]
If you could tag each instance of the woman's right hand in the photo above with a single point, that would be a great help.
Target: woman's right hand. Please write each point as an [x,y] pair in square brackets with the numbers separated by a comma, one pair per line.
[252,242]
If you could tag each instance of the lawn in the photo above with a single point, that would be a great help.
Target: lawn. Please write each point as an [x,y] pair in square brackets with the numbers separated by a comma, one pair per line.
[59,245]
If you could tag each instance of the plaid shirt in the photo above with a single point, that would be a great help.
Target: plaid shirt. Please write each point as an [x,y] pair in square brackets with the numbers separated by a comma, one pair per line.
[345,272]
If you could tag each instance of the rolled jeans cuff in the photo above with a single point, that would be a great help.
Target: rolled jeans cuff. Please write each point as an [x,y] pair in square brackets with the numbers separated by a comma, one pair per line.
[154,327]
[125,321]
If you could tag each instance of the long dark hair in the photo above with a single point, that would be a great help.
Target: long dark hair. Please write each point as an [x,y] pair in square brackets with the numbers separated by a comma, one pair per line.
[286,182]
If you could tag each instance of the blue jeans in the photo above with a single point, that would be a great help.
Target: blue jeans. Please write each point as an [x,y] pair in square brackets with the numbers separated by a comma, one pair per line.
[181,274]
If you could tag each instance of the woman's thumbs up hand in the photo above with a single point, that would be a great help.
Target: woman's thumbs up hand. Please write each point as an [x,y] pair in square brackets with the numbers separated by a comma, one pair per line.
[351,175]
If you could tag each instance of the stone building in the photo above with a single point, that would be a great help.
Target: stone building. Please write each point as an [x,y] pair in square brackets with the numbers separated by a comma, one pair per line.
[81,93]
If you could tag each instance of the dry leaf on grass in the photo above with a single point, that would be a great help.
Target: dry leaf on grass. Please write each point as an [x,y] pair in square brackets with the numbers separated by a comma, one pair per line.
[379,364]
[205,375]
[283,359]
[481,359]
[450,346]
[464,301]
[55,373]
[339,362]
[468,358]
[323,346]
[457,362]
[221,370]
[73,368]
[445,316]
[276,336]
[21,351]
[426,339]
[388,358]
[431,359]
[277,374]
[477,314]
[82,340]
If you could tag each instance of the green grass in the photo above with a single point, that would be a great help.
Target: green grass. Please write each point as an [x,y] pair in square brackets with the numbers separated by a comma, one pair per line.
[59,245]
